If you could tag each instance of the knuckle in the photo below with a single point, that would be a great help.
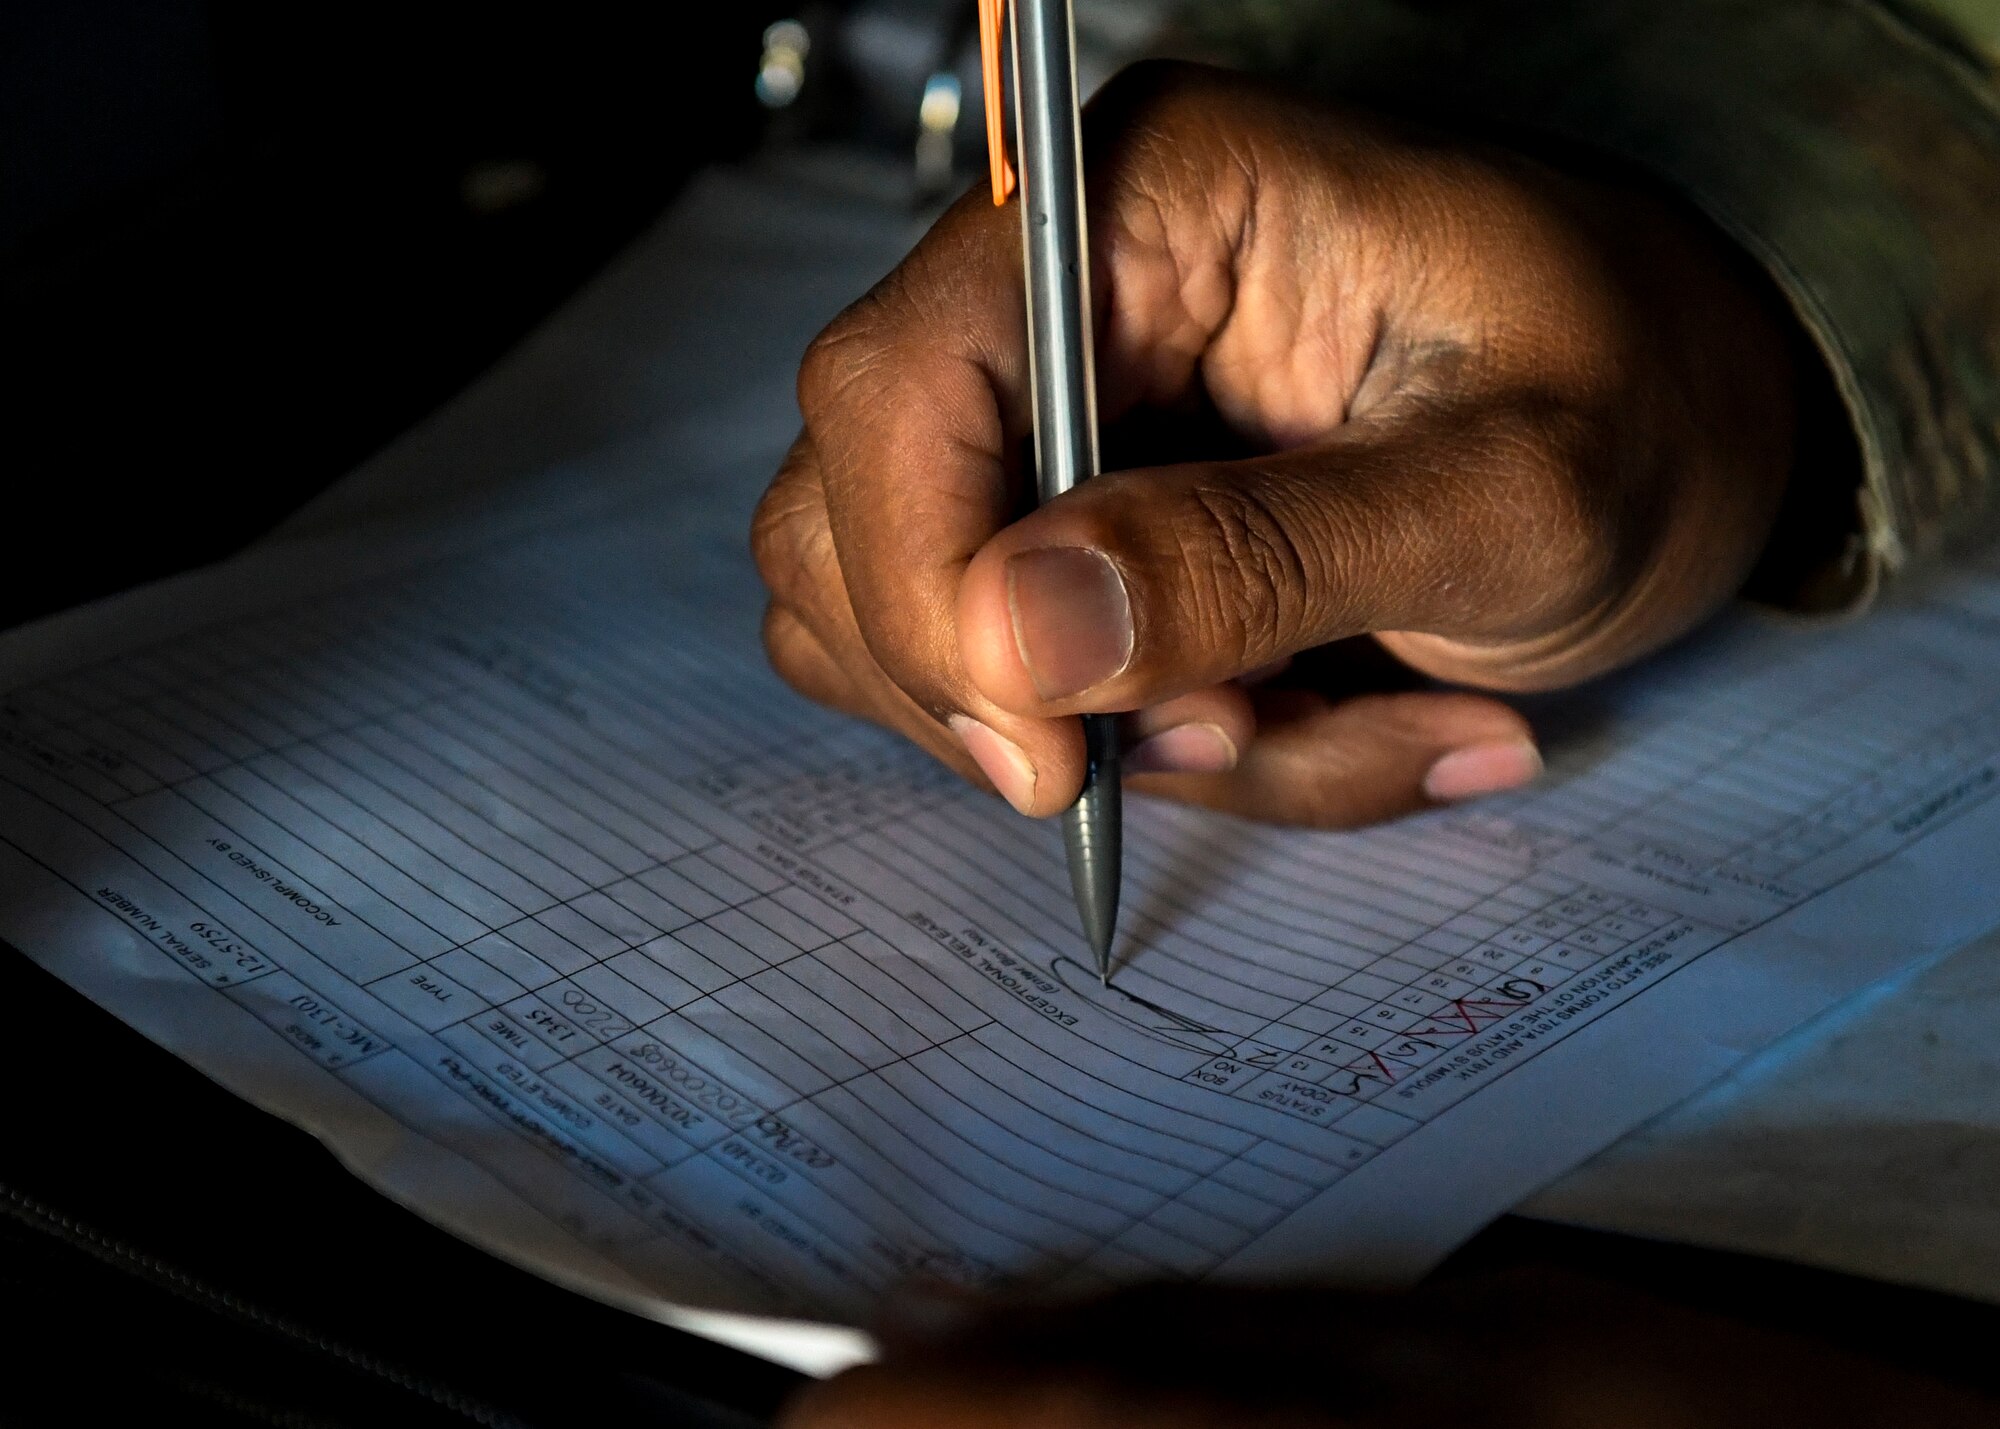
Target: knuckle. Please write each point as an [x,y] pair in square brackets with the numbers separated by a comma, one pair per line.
[798,659]
[1155,130]
[842,351]
[883,338]
[820,367]
[788,533]
[769,523]
[785,644]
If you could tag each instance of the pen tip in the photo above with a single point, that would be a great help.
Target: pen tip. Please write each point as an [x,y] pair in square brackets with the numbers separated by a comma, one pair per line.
[1098,933]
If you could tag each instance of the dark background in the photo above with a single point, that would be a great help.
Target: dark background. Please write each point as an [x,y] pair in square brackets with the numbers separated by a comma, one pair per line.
[244,245]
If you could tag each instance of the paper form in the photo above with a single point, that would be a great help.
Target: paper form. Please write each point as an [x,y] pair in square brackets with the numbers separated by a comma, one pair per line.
[522,881]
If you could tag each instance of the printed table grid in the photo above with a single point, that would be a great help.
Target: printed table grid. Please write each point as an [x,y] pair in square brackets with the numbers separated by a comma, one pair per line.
[701,962]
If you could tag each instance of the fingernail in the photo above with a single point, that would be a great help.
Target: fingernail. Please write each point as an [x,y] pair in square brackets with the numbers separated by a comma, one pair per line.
[1003,761]
[1480,769]
[1184,749]
[1072,620]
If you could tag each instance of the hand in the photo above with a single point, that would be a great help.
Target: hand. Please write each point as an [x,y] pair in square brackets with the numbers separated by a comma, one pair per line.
[1521,1349]
[1517,426]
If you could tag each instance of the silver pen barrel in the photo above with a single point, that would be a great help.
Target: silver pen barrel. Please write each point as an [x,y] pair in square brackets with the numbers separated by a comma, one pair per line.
[1055,241]
[1053,236]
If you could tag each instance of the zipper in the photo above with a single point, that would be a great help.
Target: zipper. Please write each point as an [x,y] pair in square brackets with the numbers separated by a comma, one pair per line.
[119,1255]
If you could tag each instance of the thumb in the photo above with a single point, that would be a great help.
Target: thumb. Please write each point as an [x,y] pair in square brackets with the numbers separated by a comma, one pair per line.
[1139,586]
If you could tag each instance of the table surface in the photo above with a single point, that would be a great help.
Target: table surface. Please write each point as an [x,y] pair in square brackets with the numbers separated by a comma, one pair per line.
[1866,1142]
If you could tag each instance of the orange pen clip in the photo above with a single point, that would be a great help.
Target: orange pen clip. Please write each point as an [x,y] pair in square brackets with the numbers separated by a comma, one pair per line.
[992,18]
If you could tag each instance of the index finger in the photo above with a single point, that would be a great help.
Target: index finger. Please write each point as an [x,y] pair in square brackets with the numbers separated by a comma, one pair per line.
[916,398]
[912,398]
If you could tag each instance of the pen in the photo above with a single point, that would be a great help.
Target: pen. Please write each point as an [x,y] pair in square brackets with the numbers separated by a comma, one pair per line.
[1056,252]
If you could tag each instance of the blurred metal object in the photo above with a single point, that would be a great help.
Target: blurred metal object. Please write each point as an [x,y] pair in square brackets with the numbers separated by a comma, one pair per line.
[899,77]
[895,51]
[781,73]
[937,121]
